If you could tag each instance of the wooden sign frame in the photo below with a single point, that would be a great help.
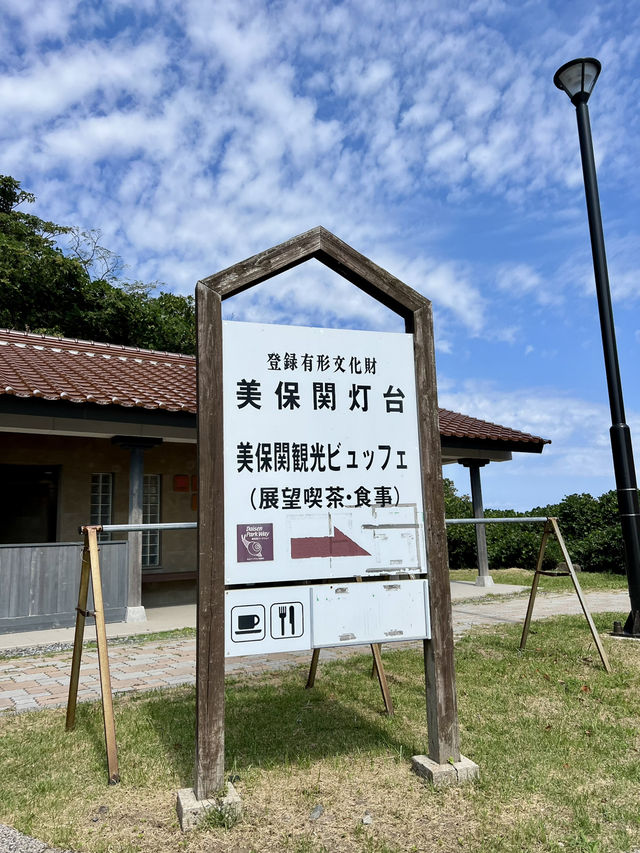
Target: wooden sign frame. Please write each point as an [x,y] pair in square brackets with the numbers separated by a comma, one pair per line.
[415,309]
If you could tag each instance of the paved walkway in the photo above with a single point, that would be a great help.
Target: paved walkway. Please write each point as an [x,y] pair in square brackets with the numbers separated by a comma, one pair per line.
[35,681]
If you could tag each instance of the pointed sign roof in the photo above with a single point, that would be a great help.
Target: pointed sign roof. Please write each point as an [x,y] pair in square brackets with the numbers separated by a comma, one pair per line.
[323,246]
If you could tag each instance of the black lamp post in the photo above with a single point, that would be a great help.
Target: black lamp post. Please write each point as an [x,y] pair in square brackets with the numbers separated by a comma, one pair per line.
[577,79]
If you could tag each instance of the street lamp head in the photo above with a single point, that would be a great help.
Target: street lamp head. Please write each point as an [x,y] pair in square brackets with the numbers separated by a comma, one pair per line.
[577,78]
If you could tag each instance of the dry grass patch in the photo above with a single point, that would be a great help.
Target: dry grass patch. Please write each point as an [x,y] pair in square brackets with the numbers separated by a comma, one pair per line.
[404,812]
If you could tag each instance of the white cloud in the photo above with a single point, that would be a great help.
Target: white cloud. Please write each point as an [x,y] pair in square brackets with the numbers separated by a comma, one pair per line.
[578,428]
[62,80]
[523,280]
[578,460]
[37,20]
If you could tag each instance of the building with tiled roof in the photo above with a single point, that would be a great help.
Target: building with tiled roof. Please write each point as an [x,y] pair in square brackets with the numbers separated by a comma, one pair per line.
[78,418]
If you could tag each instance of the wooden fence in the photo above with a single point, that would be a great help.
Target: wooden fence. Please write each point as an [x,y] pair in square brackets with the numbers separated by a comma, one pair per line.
[39,584]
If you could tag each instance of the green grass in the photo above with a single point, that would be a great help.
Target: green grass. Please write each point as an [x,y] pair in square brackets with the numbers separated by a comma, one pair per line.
[556,738]
[588,580]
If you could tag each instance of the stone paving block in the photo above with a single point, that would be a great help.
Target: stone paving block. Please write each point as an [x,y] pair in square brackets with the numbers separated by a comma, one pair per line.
[26,682]
[176,680]
[139,674]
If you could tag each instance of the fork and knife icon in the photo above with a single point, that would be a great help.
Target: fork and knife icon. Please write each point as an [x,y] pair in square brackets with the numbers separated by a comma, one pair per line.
[282,614]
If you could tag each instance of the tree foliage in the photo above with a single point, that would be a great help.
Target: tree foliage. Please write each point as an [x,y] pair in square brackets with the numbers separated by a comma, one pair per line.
[79,294]
[590,527]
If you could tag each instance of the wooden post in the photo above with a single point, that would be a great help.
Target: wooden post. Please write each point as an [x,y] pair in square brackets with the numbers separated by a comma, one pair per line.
[377,669]
[552,527]
[534,584]
[382,678]
[103,661]
[311,678]
[583,603]
[91,568]
[209,773]
[442,706]
[81,613]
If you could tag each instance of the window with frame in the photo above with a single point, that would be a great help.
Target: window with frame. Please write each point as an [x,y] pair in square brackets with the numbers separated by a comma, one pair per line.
[151,515]
[101,501]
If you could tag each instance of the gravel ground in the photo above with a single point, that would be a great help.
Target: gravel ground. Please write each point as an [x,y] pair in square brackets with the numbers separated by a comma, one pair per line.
[12,841]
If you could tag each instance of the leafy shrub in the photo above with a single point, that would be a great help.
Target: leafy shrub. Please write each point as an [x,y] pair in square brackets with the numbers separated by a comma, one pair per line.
[590,527]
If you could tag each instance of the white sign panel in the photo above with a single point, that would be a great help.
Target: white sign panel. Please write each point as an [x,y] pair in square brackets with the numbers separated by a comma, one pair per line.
[348,614]
[322,467]
[297,618]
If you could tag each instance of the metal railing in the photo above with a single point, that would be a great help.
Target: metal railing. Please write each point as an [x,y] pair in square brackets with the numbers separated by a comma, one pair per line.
[192,525]
[525,519]
[129,528]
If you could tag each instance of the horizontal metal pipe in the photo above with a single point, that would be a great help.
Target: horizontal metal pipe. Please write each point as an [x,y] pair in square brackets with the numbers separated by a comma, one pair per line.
[169,525]
[530,519]
[192,525]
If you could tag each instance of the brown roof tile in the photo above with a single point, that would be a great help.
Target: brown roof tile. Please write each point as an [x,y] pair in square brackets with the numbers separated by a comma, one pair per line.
[112,375]
[85,372]
[455,425]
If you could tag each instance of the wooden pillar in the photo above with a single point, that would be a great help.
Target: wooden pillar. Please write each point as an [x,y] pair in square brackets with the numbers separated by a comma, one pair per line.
[441,699]
[474,466]
[209,775]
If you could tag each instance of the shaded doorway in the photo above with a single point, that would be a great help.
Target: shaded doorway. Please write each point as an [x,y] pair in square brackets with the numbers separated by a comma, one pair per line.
[28,503]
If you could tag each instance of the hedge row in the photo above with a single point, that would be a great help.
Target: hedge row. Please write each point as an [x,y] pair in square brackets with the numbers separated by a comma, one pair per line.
[589,526]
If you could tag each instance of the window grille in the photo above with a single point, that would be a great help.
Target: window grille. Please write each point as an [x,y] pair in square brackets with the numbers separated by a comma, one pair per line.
[151,515]
[101,501]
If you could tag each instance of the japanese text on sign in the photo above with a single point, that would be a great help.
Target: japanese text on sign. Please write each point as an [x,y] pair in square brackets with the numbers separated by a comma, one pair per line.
[324,424]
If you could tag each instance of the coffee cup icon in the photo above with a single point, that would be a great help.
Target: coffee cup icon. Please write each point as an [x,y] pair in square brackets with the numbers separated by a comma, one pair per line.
[247,622]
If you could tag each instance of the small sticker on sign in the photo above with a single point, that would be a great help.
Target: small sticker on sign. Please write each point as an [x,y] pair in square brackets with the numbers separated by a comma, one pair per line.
[254,542]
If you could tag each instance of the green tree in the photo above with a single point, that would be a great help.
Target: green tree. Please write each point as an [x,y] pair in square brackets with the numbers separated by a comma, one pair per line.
[79,294]
[592,528]
[37,281]
[461,538]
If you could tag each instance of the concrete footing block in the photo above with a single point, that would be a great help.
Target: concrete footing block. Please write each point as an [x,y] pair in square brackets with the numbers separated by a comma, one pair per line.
[484,580]
[443,775]
[135,614]
[191,811]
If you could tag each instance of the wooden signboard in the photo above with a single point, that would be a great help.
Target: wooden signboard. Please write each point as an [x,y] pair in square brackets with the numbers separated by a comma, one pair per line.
[221,541]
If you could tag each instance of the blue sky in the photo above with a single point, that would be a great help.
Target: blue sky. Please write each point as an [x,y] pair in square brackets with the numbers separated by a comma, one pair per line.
[428,136]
